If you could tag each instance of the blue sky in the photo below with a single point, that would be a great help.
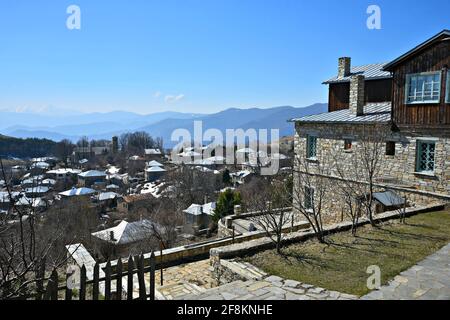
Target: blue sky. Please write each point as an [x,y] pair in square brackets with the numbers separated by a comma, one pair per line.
[195,55]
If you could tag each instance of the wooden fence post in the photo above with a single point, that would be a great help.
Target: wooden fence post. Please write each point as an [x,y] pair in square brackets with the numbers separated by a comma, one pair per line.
[83,283]
[152,276]
[54,285]
[130,279]
[108,281]
[40,282]
[51,292]
[96,284]
[119,280]
[68,294]
[161,262]
[141,279]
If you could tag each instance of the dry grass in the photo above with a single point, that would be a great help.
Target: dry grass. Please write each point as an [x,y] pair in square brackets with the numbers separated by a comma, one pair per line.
[341,264]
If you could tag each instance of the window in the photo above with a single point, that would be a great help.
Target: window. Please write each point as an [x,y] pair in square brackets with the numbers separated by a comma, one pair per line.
[390,148]
[423,87]
[311,147]
[309,198]
[347,144]
[447,97]
[425,156]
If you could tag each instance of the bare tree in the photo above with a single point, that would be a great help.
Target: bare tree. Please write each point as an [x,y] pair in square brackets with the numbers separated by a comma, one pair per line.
[23,257]
[166,220]
[311,187]
[352,204]
[359,168]
[269,203]
[64,149]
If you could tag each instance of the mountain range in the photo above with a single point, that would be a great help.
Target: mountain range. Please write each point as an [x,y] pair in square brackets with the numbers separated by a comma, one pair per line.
[72,126]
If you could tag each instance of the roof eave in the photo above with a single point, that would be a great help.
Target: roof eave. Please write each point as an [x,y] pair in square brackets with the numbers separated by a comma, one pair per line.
[366,79]
[390,65]
[341,122]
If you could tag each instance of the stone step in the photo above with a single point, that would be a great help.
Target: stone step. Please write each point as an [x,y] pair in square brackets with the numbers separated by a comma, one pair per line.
[243,269]
[175,290]
[251,268]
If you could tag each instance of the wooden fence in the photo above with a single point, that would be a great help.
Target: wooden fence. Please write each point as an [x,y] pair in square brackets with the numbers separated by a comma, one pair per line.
[133,266]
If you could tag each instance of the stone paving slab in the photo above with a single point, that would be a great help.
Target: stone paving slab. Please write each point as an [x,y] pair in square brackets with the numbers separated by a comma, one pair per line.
[270,288]
[428,280]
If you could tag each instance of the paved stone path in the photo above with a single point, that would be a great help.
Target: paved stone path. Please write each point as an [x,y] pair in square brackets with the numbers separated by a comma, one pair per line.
[189,278]
[270,288]
[428,280]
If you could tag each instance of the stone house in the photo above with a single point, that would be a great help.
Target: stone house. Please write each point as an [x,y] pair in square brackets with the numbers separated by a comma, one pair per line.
[153,154]
[406,103]
[135,202]
[91,178]
[198,216]
[125,239]
[88,153]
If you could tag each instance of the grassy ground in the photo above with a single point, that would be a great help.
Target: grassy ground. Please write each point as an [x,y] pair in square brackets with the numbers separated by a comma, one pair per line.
[341,264]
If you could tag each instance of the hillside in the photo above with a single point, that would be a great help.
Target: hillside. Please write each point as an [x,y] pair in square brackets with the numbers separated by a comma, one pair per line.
[25,148]
[106,125]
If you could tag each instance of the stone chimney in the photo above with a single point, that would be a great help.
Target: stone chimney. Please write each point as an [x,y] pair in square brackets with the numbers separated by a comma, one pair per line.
[344,66]
[237,210]
[111,236]
[357,95]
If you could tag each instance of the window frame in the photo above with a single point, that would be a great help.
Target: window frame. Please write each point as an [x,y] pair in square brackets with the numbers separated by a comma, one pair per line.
[408,84]
[311,139]
[309,198]
[447,88]
[418,155]
[388,149]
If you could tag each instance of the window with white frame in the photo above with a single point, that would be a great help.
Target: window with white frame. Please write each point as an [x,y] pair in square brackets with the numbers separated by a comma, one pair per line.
[447,97]
[311,147]
[423,87]
[425,156]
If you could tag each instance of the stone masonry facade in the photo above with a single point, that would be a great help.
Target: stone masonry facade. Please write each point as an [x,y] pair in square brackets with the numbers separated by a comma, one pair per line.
[397,171]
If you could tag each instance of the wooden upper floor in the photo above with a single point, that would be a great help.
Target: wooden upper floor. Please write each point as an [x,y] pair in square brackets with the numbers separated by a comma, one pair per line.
[417,84]
[421,84]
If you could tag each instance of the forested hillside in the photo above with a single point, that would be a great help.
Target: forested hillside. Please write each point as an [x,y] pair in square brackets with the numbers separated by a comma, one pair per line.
[26,148]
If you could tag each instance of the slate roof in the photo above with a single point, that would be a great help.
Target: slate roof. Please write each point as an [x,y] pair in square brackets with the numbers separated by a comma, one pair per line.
[198,209]
[372,71]
[41,165]
[107,196]
[38,189]
[373,112]
[155,164]
[34,202]
[155,169]
[77,192]
[127,232]
[152,151]
[92,173]
[389,198]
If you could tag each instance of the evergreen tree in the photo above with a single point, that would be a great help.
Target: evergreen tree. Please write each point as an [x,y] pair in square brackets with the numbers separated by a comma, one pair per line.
[225,204]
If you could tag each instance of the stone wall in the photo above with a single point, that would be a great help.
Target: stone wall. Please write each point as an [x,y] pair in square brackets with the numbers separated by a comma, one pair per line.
[397,171]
